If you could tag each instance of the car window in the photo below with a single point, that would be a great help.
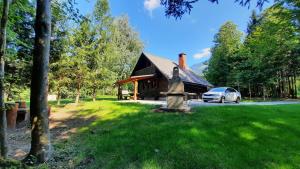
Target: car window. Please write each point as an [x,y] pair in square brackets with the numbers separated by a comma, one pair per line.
[231,90]
[217,90]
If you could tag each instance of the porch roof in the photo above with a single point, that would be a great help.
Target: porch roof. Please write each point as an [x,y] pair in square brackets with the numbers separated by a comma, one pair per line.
[135,78]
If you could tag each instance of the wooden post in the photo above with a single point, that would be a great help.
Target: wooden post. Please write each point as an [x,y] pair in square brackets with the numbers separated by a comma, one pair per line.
[135,90]
[119,92]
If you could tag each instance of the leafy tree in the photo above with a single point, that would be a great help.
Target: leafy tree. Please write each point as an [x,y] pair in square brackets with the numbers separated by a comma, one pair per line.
[99,51]
[60,79]
[20,48]
[82,47]
[98,61]
[59,59]
[127,47]
[273,47]
[224,54]
[267,63]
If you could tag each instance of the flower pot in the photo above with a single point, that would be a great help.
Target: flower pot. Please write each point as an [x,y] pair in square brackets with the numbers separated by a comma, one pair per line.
[11,114]
[22,104]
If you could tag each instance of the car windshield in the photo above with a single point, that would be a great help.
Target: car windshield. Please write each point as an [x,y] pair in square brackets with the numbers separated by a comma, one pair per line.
[221,89]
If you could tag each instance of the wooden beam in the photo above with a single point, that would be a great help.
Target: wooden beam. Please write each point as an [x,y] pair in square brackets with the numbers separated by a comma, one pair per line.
[135,90]
[134,78]
[119,92]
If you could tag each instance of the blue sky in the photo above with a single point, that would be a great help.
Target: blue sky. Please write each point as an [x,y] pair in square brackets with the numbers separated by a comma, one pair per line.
[167,37]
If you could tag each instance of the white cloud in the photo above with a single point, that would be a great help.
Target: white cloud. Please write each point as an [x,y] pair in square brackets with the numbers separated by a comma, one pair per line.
[212,30]
[150,5]
[203,54]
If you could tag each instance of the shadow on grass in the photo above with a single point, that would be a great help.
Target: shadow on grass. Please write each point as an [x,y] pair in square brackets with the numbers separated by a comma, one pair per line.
[131,136]
[64,102]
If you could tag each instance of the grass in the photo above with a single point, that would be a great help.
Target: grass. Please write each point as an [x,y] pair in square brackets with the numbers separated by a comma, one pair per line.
[133,136]
[12,164]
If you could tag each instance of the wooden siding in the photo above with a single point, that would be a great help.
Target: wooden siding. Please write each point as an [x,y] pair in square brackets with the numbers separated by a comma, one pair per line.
[145,71]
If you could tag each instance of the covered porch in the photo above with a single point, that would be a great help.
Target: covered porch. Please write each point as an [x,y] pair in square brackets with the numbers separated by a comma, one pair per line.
[134,80]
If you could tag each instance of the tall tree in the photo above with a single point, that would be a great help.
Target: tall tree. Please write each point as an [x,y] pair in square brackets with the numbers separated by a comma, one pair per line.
[227,44]
[267,63]
[40,136]
[82,43]
[59,61]
[254,21]
[97,62]
[127,46]
[60,76]
[20,42]
[3,125]
[273,47]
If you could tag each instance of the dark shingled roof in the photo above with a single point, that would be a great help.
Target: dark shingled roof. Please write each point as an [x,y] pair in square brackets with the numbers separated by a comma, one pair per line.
[165,66]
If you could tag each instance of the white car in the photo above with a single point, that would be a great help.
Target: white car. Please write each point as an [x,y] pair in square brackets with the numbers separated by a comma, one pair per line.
[222,94]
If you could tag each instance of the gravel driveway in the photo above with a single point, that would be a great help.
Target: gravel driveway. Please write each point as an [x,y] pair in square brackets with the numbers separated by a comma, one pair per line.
[200,103]
[195,103]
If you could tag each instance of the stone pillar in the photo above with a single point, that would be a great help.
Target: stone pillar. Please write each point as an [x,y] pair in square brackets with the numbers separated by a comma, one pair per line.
[175,95]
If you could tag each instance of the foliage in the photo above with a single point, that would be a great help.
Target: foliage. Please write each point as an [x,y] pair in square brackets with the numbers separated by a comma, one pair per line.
[127,135]
[267,63]
[19,49]
[20,41]
[177,8]
[127,47]
[93,55]
[224,55]
[254,21]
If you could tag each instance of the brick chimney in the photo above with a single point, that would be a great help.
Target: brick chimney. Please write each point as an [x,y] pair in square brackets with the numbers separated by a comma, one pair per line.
[182,60]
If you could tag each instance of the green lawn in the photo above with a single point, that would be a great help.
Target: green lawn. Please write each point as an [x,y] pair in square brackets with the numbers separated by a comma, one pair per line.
[132,136]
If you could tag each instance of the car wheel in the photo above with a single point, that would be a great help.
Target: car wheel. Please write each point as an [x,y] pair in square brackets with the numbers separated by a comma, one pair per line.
[222,100]
[238,100]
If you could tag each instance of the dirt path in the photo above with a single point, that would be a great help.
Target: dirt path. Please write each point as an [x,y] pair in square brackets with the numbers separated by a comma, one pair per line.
[63,123]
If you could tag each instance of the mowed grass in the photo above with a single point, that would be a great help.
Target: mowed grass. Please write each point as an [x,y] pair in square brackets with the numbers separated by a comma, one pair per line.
[127,135]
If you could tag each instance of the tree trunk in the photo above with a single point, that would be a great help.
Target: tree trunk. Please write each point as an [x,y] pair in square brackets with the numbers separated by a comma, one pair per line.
[77,95]
[264,93]
[3,124]
[250,94]
[58,97]
[94,94]
[296,90]
[289,87]
[281,85]
[292,87]
[40,137]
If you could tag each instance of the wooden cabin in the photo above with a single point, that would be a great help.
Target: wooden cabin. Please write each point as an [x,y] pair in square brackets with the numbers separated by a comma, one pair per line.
[151,76]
